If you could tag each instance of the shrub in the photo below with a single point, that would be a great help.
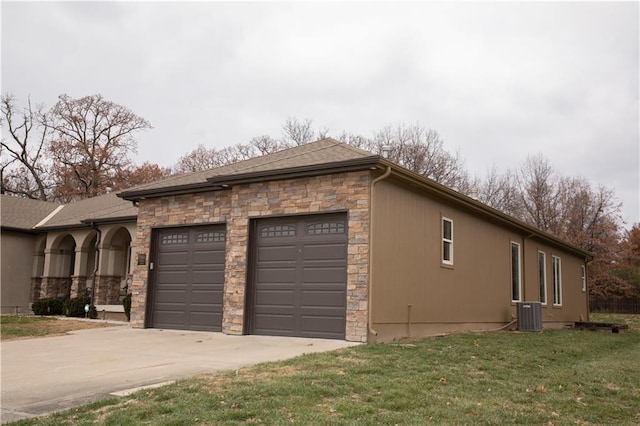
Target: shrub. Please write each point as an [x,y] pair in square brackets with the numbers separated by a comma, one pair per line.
[48,306]
[75,307]
[126,303]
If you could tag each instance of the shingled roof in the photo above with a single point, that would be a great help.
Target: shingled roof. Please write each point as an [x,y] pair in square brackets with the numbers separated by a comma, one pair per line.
[103,208]
[320,155]
[23,214]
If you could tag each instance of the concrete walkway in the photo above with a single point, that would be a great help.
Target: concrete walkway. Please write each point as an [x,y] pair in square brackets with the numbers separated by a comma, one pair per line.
[40,376]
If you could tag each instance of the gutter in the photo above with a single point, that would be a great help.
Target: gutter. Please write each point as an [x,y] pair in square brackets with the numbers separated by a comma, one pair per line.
[386,174]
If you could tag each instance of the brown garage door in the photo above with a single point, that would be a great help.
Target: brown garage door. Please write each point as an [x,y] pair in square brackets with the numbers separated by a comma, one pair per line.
[299,276]
[188,278]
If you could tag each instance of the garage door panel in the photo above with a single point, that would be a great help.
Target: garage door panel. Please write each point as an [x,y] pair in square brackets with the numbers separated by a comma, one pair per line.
[171,296]
[325,252]
[201,321]
[175,258]
[276,275]
[189,279]
[323,275]
[281,298]
[322,328]
[172,277]
[212,278]
[208,257]
[278,324]
[279,253]
[323,298]
[205,296]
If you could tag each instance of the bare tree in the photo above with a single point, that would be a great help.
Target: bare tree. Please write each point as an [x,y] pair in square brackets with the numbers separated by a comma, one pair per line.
[539,194]
[421,150]
[201,158]
[296,132]
[589,217]
[24,168]
[266,145]
[91,142]
[501,191]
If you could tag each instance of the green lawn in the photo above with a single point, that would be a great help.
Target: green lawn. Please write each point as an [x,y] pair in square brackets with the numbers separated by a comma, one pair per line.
[555,377]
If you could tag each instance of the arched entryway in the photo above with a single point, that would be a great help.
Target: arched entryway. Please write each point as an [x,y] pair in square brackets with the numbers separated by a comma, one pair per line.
[114,266]
[58,267]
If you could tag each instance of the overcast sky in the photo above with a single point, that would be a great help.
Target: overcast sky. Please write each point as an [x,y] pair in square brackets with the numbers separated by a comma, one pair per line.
[498,81]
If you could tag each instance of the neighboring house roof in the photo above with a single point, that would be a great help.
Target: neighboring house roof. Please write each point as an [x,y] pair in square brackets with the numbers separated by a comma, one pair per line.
[100,209]
[324,156]
[23,214]
[28,215]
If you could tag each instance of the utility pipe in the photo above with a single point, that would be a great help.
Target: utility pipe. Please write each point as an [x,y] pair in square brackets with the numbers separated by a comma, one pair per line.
[371,210]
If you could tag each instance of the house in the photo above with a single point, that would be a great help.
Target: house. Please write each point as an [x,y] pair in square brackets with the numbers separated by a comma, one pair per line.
[327,240]
[77,249]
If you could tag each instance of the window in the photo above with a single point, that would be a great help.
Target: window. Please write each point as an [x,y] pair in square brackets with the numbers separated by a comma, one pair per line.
[175,239]
[278,231]
[325,228]
[447,241]
[210,237]
[515,272]
[542,276]
[584,278]
[557,281]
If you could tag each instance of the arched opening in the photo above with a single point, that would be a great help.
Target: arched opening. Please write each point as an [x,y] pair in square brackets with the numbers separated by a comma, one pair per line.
[38,269]
[112,283]
[62,256]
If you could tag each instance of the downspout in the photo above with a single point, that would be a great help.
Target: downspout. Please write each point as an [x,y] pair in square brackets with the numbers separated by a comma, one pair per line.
[371,210]
[96,263]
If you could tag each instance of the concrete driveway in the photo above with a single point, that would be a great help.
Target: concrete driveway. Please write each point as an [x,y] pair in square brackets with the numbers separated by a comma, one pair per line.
[40,376]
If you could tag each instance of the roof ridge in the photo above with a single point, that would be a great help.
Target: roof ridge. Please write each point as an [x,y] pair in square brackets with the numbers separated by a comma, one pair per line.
[49,216]
[334,143]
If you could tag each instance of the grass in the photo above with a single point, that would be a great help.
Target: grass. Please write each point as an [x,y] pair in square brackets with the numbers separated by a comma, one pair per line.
[555,377]
[21,327]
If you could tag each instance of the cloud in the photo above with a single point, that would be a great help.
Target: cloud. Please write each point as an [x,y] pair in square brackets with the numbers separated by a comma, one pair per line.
[498,80]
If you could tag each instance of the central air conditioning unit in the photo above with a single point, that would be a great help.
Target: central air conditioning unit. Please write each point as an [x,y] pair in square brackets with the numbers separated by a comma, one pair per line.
[529,316]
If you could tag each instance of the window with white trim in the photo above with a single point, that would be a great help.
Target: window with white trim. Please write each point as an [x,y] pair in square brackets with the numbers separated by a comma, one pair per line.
[447,241]
[584,278]
[542,276]
[557,281]
[516,275]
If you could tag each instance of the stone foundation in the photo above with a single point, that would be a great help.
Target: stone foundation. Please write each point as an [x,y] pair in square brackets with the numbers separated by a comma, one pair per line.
[55,287]
[36,288]
[79,286]
[107,291]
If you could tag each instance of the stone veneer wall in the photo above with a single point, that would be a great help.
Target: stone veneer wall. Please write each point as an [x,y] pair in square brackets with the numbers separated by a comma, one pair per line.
[79,286]
[107,291]
[55,287]
[36,287]
[236,206]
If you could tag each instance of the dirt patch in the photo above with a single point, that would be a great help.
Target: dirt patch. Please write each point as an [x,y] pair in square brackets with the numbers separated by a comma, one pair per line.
[54,327]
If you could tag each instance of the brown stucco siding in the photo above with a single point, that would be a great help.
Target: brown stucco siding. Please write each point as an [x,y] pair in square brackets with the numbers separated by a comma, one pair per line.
[17,262]
[236,207]
[415,294]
